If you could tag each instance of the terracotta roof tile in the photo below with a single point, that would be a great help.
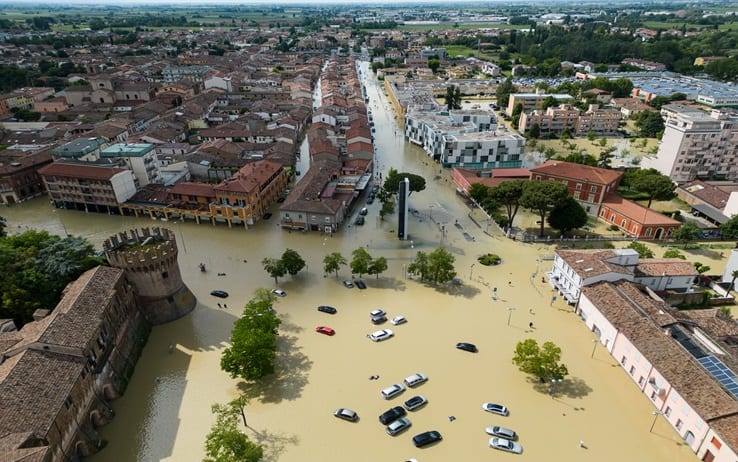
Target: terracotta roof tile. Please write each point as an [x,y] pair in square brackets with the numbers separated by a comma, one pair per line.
[637,212]
[80,170]
[562,169]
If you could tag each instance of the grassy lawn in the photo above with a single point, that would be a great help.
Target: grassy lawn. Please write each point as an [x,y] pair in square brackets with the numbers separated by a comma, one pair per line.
[628,148]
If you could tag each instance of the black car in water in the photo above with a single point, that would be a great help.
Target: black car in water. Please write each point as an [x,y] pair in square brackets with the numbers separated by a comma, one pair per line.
[327,309]
[426,438]
[360,284]
[470,347]
[391,415]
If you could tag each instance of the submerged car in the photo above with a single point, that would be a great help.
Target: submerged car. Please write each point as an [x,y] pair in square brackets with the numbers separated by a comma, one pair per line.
[360,284]
[415,379]
[219,293]
[398,426]
[346,414]
[498,409]
[325,330]
[279,292]
[348,284]
[392,391]
[390,415]
[426,438]
[415,402]
[502,432]
[397,320]
[470,347]
[380,335]
[327,309]
[505,445]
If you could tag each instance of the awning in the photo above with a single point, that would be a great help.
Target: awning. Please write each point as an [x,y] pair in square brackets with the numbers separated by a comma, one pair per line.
[711,212]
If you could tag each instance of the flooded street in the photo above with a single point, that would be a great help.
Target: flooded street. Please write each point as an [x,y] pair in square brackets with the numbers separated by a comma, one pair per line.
[165,413]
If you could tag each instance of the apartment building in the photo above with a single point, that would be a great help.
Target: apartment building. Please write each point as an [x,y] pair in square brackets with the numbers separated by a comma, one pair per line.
[602,122]
[87,186]
[588,185]
[464,138]
[531,101]
[697,145]
[194,73]
[140,158]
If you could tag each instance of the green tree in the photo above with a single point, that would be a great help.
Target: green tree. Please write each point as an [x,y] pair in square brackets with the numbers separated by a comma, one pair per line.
[729,229]
[452,99]
[535,131]
[441,266]
[275,268]
[567,216]
[388,208]
[225,442]
[253,342]
[688,232]
[543,196]
[479,192]
[649,124]
[642,249]
[508,194]
[655,185]
[701,268]
[541,362]
[393,178]
[360,261]
[377,266]
[420,266]
[292,262]
[591,135]
[503,92]
[434,64]
[674,253]
[333,262]
[3,227]
[605,159]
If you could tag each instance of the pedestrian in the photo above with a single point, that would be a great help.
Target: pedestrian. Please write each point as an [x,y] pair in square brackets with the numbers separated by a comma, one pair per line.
[530,324]
[451,418]
[219,306]
[225,306]
[581,443]
[530,310]
[509,283]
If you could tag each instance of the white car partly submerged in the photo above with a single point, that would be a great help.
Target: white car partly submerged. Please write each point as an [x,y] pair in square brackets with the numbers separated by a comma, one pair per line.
[380,335]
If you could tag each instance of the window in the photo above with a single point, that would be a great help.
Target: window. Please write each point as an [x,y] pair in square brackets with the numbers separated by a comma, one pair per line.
[653,396]
[622,223]
[593,188]
[576,195]
[165,275]
[591,198]
[679,424]
[579,186]
[538,177]
[716,442]
[667,412]
[641,380]
[623,360]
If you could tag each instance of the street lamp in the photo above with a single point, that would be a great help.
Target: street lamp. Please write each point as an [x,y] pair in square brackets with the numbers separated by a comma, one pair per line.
[656,415]
[509,314]
[594,347]
[471,268]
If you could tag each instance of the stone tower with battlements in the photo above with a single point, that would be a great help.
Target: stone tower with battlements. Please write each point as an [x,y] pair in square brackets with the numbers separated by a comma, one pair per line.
[149,258]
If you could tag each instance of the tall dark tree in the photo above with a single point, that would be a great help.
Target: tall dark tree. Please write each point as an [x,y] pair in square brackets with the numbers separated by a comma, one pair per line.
[292,262]
[542,197]
[649,124]
[393,178]
[567,216]
[655,185]
[508,194]
[452,99]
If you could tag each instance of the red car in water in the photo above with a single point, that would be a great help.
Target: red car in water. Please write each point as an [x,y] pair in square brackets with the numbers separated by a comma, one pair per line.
[325,330]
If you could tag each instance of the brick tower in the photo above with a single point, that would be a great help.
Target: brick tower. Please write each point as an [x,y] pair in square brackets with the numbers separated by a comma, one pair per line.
[149,258]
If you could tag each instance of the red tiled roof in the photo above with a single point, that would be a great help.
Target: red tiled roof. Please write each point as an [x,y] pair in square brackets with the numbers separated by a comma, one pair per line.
[637,212]
[580,172]
[193,189]
[78,170]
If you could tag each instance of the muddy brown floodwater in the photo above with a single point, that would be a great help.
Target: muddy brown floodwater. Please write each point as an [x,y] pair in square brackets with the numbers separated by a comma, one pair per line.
[165,413]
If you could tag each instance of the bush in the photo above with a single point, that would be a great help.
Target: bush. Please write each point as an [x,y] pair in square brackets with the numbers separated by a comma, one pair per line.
[489,259]
[608,245]
[500,219]
[613,228]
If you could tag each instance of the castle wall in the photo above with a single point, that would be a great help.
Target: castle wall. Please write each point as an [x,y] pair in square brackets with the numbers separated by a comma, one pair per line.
[149,258]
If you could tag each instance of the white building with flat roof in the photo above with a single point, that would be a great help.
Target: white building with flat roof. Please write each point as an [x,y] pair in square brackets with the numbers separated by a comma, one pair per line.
[698,145]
